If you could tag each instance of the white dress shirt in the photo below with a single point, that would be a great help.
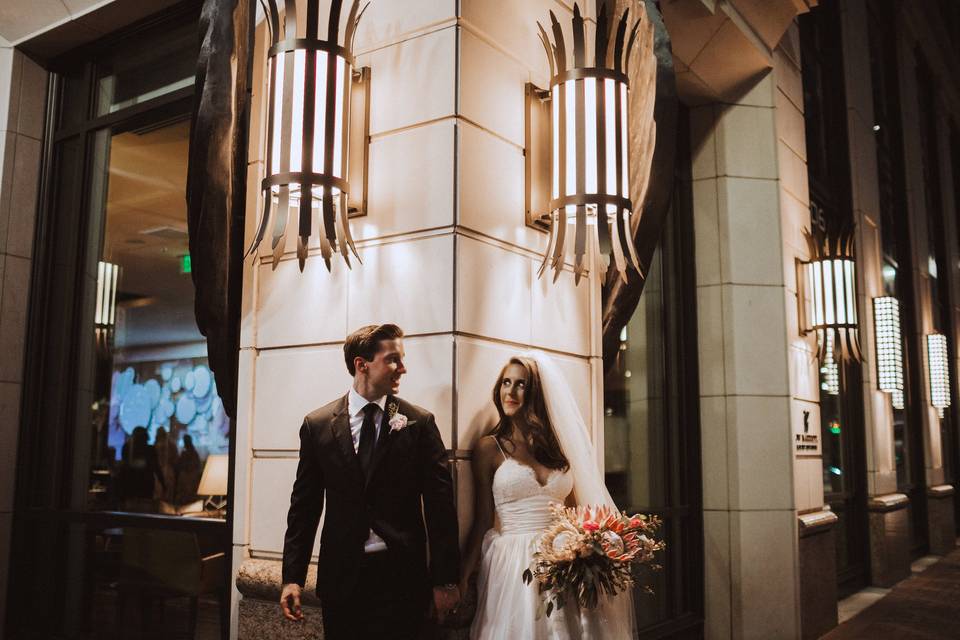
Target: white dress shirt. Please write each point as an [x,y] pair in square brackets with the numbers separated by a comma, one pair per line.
[355,405]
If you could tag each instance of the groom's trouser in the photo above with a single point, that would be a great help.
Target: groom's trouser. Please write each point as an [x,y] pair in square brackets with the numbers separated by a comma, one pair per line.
[381,606]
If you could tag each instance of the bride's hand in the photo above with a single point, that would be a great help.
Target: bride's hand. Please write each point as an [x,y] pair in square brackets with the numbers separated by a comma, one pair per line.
[445,600]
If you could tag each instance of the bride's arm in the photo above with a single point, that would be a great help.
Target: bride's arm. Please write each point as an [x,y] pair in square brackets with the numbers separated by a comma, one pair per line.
[485,461]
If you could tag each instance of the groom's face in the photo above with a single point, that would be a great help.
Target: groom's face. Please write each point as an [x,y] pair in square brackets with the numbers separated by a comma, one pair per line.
[384,371]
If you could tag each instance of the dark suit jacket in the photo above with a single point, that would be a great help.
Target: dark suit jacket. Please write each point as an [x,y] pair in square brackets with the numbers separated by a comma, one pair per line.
[408,465]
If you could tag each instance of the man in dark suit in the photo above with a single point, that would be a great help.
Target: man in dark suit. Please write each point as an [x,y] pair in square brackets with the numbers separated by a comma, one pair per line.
[380,465]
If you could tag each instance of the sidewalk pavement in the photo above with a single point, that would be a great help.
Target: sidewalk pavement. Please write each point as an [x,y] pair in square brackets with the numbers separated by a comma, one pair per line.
[925,606]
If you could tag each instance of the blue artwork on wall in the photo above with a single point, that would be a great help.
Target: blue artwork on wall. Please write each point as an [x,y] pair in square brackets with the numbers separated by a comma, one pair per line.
[178,395]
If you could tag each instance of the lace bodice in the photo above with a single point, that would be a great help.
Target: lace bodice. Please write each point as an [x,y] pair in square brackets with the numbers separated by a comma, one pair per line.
[522,503]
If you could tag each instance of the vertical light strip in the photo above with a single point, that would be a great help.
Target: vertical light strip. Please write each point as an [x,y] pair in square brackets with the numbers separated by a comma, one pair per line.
[590,130]
[320,113]
[101,279]
[848,271]
[839,292]
[277,109]
[624,146]
[112,316]
[939,370]
[105,313]
[337,168]
[296,124]
[818,304]
[611,145]
[828,295]
[570,171]
[555,121]
[886,318]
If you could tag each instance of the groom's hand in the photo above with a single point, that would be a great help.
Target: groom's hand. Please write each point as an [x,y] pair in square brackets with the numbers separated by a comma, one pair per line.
[290,602]
[444,600]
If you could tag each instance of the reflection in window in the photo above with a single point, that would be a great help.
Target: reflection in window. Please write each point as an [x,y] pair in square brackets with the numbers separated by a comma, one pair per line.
[633,395]
[162,64]
[157,417]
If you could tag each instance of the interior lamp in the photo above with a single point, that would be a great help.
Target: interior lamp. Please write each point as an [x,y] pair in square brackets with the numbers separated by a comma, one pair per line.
[105,313]
[308,128]
[589,143]
[213,482]
[889,344]
[939,369]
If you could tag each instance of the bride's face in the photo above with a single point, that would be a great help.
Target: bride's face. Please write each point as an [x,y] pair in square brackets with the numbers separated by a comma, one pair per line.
[513,389]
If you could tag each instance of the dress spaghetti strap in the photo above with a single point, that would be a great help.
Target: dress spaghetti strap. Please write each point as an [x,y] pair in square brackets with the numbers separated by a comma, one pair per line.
[497,440]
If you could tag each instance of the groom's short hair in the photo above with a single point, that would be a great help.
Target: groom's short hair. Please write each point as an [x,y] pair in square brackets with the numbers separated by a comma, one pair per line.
[365,342]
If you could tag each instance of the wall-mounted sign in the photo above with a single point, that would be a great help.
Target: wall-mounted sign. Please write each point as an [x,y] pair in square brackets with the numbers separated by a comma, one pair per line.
[805,417]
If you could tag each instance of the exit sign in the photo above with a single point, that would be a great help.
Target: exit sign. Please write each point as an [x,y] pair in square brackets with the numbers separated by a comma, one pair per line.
[185,264]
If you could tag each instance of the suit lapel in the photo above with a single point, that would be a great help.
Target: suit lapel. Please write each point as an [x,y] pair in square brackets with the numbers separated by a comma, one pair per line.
[341,433]
[385,438]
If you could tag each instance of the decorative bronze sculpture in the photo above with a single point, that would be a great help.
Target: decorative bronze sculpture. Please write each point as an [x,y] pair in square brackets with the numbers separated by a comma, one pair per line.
[652,173]
[216,183]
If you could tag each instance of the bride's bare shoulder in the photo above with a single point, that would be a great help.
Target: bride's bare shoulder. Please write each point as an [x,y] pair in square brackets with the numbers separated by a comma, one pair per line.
[486,452]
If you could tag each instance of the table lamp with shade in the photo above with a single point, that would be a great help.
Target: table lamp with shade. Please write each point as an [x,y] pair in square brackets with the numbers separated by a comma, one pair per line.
[213,482]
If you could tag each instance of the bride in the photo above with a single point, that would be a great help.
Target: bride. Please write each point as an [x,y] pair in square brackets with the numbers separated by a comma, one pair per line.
[538,453]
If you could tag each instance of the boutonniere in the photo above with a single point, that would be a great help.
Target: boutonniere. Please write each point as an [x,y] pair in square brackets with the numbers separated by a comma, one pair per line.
[397,421]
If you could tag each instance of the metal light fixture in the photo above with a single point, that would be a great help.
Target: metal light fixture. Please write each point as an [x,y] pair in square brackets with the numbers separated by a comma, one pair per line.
[105,313]
[308,129]
[828,295]
[590,183]
[886,320]
[939,369]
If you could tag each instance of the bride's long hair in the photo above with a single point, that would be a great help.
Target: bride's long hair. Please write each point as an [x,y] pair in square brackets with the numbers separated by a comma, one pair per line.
[531,418]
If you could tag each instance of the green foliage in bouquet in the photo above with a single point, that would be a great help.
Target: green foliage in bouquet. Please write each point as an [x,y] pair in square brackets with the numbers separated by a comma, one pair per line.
[589,551]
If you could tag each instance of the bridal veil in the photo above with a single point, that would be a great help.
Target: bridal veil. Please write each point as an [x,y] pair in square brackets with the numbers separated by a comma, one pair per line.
[589,488]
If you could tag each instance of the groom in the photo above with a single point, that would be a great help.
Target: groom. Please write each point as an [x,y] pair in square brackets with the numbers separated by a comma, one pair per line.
[373,457]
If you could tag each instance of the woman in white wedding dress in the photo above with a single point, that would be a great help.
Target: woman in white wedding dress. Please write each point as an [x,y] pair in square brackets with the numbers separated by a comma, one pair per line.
[539,453]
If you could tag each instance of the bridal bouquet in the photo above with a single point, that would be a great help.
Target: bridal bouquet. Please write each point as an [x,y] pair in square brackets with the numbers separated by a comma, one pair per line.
[591,550]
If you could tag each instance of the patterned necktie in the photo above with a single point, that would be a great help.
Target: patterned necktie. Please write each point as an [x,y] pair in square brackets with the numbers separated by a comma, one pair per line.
[368,437]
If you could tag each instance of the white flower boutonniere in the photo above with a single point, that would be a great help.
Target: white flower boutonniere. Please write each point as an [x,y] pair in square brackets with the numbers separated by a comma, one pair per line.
[398,422]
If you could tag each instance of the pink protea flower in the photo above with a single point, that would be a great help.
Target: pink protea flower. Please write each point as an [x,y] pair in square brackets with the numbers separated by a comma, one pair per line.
[591,526]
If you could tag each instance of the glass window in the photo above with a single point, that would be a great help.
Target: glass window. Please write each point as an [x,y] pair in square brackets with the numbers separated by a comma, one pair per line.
[156,414]
[121,515]
[651,426]
[163,62]
[828,171]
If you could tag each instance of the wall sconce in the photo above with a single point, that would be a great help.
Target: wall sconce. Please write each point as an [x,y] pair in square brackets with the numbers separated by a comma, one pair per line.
[585,169]
[939,368]
[105,313]
[886,320]
[309,135]
[828,297]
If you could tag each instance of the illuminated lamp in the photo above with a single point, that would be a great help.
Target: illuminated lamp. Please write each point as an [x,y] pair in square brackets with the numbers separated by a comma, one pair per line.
[828,295]
[310,83]
[939,370]
[105,312]
[589,150]
[889,344]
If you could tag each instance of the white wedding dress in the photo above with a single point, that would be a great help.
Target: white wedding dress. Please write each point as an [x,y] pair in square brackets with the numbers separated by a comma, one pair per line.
[508,609]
